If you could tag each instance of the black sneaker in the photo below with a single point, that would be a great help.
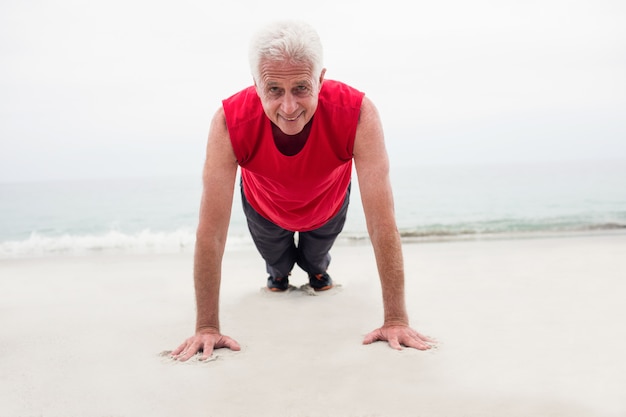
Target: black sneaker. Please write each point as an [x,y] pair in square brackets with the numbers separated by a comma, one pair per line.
[320,282]
[278,284]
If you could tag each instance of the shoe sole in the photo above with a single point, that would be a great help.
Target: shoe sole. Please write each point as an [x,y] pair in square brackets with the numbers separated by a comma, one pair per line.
[328,287]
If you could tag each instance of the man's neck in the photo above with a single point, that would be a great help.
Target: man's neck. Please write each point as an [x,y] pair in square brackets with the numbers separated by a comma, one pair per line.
[291,144]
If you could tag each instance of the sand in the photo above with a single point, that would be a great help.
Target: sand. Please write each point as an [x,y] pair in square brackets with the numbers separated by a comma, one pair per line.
[526,327]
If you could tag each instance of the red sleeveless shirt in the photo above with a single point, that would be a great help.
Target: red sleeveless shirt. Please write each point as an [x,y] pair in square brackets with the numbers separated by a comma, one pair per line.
[300,192]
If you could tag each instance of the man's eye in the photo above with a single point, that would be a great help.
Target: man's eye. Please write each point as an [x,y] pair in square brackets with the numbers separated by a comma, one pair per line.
[301,90]
[274,91]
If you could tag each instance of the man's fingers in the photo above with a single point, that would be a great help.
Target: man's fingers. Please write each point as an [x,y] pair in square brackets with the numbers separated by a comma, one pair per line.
[189,351]
[372,337]
[415,343]
[207,350]
[227,342]
[394,343]
[425,338]
[179,349]
[180,353]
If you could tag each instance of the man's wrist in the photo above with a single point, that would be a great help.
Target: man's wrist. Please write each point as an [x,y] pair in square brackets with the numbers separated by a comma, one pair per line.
[208,329]
[395,322]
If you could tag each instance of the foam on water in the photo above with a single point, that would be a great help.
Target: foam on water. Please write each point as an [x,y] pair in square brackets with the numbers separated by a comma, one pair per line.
[145,241]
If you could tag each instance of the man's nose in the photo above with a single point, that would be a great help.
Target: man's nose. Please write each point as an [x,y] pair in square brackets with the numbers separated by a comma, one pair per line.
[289,104]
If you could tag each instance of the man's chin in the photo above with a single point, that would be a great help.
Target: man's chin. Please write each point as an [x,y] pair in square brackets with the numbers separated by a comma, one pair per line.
[290,128]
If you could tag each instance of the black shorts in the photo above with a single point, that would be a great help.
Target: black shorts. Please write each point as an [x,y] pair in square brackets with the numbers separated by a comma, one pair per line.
[280,248]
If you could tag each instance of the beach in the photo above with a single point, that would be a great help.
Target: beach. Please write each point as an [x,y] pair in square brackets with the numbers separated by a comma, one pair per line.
[525,326]
[499,127]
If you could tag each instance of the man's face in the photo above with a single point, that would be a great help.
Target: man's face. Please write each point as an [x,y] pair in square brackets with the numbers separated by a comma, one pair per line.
[289,94]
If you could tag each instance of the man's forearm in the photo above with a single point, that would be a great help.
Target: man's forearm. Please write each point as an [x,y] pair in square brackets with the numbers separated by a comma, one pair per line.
[207,279]
[388,252]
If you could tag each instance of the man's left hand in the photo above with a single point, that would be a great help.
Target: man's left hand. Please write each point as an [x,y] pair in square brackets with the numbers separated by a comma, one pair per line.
[398,336]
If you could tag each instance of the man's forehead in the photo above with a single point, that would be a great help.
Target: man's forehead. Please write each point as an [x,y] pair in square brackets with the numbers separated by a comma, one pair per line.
[270,81]
[281,72]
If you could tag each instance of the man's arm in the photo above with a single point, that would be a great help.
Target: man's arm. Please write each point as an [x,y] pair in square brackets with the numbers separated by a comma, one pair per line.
[220,170]
[372,167]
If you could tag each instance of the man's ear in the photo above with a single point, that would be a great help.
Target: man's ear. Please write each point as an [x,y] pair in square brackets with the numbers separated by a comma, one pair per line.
[322,76]
[256,87]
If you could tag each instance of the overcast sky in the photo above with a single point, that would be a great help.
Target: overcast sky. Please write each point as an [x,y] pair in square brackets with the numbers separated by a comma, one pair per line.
[119,88]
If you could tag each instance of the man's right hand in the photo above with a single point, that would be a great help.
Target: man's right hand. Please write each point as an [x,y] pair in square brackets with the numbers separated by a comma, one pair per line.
[205,342]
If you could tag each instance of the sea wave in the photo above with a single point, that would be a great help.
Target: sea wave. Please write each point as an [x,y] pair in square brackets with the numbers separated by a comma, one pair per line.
[183,239]
[510,227]
[146,241]
[40,245]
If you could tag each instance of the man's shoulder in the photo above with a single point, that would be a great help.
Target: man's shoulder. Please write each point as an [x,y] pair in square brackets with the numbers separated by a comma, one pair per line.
[335,86]
[242,106]
[246,93]
[340,94]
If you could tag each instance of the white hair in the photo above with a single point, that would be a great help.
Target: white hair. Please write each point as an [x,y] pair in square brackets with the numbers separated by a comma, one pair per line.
[286,41]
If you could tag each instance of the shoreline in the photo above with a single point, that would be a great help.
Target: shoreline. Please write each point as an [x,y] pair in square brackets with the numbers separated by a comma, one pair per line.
[244,242]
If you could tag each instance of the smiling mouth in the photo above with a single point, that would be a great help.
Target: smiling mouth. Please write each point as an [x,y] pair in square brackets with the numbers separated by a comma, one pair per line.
[292,119]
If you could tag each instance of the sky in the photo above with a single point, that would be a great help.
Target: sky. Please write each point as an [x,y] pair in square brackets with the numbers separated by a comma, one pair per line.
[127,88]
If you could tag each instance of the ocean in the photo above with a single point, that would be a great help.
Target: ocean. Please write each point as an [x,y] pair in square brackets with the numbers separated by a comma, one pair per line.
[436,202]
